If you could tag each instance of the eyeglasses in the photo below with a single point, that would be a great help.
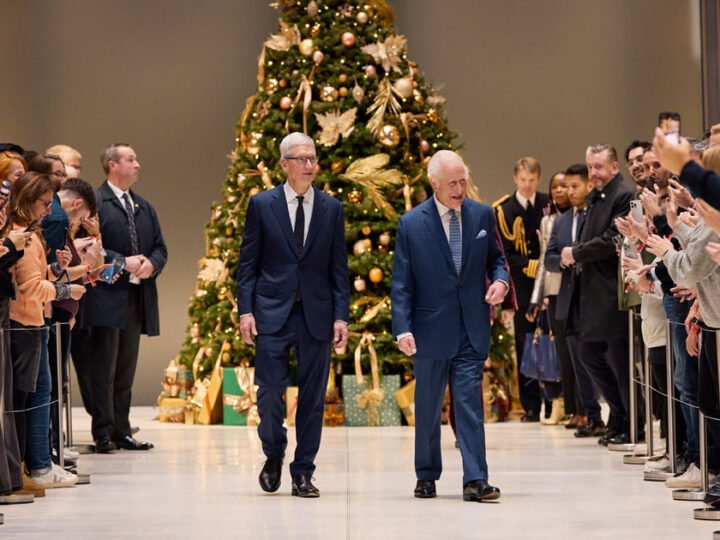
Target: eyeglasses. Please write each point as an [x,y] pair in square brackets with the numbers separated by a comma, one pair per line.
[47,204]
[303,160]
[60,174]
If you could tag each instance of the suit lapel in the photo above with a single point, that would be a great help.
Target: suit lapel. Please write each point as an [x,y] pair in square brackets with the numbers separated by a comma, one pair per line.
[467,231]
[434,225]
[317,219]
[280,209]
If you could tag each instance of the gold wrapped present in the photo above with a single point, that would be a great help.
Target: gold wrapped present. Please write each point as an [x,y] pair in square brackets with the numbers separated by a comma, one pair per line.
[405,398]
[240,397]
[211,410]
[172,410]
[334,414]
[291,401]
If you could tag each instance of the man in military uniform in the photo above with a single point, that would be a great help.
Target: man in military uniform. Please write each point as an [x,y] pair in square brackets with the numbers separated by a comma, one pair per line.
[518,217]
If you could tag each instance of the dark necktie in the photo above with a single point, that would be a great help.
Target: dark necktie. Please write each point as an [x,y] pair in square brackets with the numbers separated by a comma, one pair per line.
[135,247]
[455,241]
[299,232]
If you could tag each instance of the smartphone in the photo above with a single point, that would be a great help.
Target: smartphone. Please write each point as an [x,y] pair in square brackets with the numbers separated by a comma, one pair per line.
[631,250]
[636,211]
[107,275]
[34,225]
[669,123]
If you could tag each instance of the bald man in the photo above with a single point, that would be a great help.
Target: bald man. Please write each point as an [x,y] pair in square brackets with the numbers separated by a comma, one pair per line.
[445,248]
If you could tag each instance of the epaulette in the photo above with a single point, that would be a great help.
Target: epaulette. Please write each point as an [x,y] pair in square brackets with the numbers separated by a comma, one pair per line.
[500,201]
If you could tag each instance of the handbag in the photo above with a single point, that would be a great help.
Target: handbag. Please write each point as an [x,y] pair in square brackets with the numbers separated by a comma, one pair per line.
[539,359]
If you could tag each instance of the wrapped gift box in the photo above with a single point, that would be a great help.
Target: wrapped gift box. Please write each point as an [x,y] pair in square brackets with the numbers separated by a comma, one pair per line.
[172,410]
[291,401]
[334,414]
[239,397]
[365,406]
[405,398]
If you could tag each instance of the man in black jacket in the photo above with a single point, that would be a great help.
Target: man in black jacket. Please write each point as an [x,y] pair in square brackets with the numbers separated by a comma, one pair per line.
[117,314]
[603,331]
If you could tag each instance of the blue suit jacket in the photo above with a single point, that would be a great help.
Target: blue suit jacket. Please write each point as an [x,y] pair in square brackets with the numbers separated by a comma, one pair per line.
[429,299]
[562,237]
[271,272]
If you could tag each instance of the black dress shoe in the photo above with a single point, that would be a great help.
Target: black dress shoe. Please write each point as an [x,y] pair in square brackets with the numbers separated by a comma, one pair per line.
[129,443]
[425,489]
[480,490]
[530,416]
[593,428]
[302,486]
[270,474]
[105,446]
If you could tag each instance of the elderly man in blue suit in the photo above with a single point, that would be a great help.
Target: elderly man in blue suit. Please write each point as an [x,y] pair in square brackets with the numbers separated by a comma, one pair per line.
[293,291]
[444,251]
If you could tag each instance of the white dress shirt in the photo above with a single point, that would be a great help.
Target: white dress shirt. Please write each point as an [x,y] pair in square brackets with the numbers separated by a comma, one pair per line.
[444,212]
[292,202]
[119,193]
[524,201]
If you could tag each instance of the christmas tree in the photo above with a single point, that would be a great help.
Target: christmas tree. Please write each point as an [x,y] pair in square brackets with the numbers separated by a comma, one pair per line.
[336,70]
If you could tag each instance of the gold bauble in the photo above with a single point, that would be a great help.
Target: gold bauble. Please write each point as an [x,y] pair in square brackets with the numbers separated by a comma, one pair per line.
[328,93]
[285,102]
[225,357]
[343,91]
[361,17]
[366,230]
[362,246]
[355,196]
[384,239]
[306,47]
[433,115]
[229,231]
[194,331]
[418,97]
[358,93]
[226,346]
[208,352]
[318,56]
[359,284]
[254,143]
[254,191]
[376,275]
[404,87]
[271,85]
[370,71]
[282,83]
[241,178]
[342,78]
[315,30]
[336,167]
[389,136]
[348,39]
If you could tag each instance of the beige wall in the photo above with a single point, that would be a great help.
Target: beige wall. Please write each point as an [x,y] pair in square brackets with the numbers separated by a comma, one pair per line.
[538,77]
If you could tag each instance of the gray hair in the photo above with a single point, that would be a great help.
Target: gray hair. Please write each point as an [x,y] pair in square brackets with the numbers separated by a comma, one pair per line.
[111,154]
[600,148]
[291,141]
[439,160]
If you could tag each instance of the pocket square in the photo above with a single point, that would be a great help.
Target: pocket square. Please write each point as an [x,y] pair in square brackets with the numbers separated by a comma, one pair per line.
[481,234]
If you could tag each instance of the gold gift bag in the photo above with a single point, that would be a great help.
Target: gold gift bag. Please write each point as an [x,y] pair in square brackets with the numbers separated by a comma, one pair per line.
[405,398]
[212,409]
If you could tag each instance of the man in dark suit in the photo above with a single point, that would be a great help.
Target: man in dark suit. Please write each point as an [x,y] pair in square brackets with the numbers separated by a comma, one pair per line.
[566,232]
[117,314]
[444,250]
[518,218]
[603,329]
[293,291]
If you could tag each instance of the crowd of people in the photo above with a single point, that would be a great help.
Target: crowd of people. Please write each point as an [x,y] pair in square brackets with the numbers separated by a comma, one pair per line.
[82,263]
[604,247]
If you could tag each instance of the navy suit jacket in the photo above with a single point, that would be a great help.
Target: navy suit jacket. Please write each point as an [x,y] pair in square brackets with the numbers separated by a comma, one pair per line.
[271,272]
[562,237]
[429,299]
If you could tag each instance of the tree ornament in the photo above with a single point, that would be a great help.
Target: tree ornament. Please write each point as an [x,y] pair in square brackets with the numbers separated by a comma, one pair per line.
[404,87]
[424,146]
[384,239]
[315,30]
[194,331]
[361,17]
[285,102]
[306,47]
[282,83]
[418,97]
[342,78]
[358,93]
[283,41]
[388,53]
[348,39]
[334,125]
[328,93]
[355,196]
[376,275]
[345,11]
[370,71]
[343,91]
[336,167]
[366,230]
[241,179]
[208,352]
[229,231]
[225,357]
[254,191]
[362,246]
[312,8]
[318,56]
[433,115]
[254,143]
[389,136]
[271,85]
[359,284]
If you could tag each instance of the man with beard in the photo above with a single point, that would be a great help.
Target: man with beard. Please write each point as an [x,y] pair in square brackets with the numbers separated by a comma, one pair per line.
[634,160]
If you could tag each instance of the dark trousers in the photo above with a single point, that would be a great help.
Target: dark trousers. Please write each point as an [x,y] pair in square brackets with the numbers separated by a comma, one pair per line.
[585,386]
[530,397]
[708,395]
[115,354]
[10,460]
[83,358]
[607,364]
[465,372]
[272,375]
[573,405]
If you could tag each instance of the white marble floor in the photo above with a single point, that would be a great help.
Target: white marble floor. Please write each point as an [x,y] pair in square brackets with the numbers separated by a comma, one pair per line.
[201,483]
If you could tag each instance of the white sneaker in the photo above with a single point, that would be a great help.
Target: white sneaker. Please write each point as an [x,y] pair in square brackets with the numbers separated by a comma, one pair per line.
[56,477]
[691,478]
[658,464]
[69,453]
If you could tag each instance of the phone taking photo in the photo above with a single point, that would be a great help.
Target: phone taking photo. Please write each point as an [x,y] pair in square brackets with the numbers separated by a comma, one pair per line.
[107,275]
[636,211]
[34,225]
[669,123]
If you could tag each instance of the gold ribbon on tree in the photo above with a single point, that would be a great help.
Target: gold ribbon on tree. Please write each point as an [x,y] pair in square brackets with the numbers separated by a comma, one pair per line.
[370,398]
[304,92]
[247,402]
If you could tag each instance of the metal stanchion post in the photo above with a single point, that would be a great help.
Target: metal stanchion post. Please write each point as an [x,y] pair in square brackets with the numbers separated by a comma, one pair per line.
[60,402]
[68,404]
[650,476]
[670,386]
[697,494]
[629,447]
[708,513]
[635,458]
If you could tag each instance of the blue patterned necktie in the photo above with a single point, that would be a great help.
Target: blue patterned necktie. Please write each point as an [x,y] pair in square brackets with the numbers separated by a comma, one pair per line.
[455,241]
